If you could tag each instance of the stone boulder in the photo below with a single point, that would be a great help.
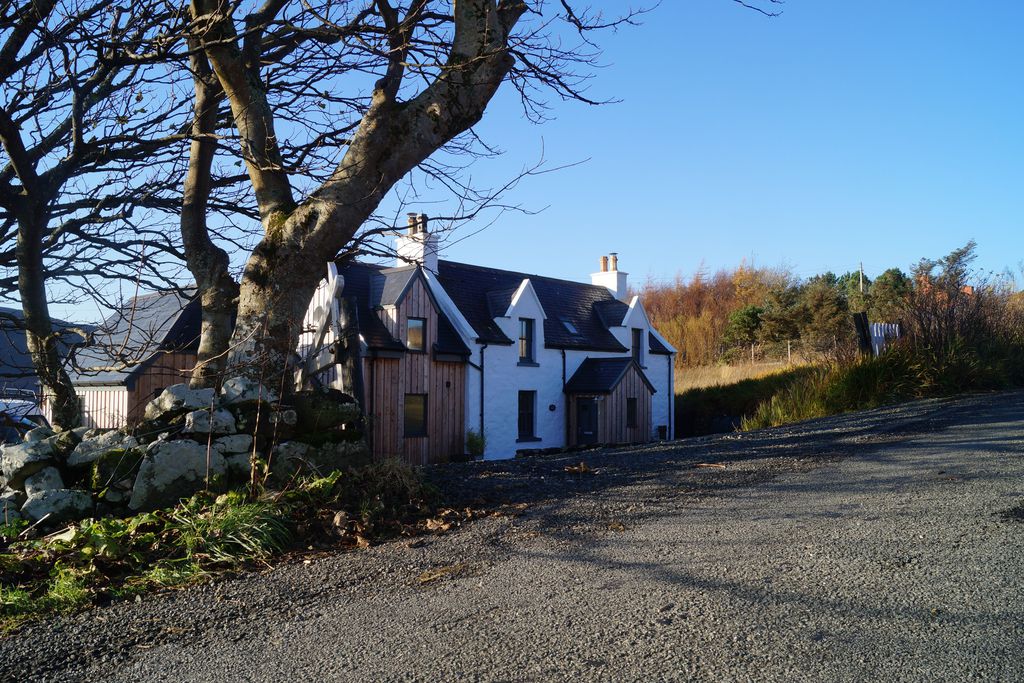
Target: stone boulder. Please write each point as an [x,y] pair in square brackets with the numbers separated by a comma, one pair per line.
[241,391]
[113,474]
[19,461]
[288,458]
[65,442]
[172,471]
[219,421]
[38,434]
[325,410]
[239,466]
[10,506]
[233,444]
[92,447]
[340,455]
[57,505]
[293,457]
[46,479]
[176,400]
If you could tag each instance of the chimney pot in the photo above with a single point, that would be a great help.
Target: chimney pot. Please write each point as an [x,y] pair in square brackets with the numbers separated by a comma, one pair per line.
[614,261]
[423,222]
[412,223]
[604,264]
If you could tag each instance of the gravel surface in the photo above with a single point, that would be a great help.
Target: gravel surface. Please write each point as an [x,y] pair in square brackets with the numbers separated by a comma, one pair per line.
[884,545]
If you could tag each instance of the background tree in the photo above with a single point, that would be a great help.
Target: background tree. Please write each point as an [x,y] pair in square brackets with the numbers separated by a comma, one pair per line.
[889,293]
[87,123]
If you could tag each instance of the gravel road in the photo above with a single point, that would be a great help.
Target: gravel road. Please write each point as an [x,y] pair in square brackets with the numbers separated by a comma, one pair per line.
[886,545]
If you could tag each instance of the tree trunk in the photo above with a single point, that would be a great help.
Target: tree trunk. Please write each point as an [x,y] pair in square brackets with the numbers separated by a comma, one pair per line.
[42,342]
[272,301]
[208,263]
[392,139]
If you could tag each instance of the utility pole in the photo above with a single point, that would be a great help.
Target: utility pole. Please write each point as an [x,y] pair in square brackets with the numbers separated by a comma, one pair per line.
[861,277]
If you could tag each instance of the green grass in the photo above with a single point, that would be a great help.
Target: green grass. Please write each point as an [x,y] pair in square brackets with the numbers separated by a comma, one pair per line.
[203,537]
[903,373]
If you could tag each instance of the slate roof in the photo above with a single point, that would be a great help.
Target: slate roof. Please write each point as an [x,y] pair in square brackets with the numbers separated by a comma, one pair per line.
[16,371]
[372,286]
[164,321]
[476,290]
[601,376]
[578,315]
[365,283]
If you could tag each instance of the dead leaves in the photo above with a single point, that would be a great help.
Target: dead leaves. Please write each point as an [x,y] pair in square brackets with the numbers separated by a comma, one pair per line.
[616,525]
[582,468]
[432,575]
[710,465]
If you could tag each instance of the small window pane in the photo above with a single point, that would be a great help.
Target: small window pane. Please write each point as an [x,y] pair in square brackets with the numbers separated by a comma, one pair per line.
[415,414]
[416,336]
[631,418]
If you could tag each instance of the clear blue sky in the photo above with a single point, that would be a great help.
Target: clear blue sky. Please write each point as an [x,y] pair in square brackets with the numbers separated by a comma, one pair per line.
[836,133]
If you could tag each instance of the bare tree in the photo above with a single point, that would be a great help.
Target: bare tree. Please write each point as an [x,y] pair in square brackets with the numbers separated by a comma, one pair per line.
[430,69]
[89,124]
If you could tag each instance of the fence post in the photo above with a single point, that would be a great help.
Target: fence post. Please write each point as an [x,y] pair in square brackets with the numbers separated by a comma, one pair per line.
[751,354]
[789,352]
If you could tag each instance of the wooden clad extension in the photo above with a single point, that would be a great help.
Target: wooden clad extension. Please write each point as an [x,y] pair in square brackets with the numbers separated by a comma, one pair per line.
[612,423]
[390,379]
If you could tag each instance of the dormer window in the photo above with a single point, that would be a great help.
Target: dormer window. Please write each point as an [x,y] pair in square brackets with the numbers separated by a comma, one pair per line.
[527,353]
[638,345]
[416,334]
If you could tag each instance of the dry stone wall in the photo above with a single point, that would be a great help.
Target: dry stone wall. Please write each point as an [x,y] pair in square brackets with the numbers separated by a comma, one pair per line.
[189,439]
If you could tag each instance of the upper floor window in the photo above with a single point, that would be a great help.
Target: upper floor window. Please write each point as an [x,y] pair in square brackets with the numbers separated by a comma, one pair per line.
[416,334]
[526,340]
[638,345]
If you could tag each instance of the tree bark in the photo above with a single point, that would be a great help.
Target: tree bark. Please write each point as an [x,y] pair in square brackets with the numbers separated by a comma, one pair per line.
[42,342]
[208,263]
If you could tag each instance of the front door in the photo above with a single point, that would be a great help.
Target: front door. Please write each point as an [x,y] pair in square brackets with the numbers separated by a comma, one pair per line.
[586,421]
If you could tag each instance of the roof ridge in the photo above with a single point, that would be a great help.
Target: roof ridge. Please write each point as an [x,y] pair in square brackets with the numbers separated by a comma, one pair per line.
[528,276]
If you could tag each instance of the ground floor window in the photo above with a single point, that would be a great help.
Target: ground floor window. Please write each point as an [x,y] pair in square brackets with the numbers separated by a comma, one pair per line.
[415,414]
[631,417]
[527,408]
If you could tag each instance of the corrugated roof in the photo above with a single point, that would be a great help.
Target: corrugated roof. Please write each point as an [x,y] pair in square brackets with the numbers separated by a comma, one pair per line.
[132,336]
[602,375]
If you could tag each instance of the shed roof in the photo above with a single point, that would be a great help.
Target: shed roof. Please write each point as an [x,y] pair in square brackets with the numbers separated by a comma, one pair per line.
[133,335]
[602,375]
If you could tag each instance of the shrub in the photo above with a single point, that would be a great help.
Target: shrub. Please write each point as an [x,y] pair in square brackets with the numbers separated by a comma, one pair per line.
[476,443]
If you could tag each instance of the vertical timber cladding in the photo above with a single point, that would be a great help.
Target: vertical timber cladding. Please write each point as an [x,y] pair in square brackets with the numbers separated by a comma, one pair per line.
[160,372]
[613,410]
[443,383]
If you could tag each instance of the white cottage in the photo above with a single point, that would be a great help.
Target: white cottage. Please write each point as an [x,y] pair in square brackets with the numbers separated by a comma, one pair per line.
[528,361]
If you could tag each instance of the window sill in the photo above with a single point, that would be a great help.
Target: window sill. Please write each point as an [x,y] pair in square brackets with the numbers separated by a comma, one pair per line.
[528,364]
[529,439]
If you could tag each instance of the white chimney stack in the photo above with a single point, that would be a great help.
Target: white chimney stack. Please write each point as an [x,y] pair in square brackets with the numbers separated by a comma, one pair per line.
[611,277]
[418,245]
